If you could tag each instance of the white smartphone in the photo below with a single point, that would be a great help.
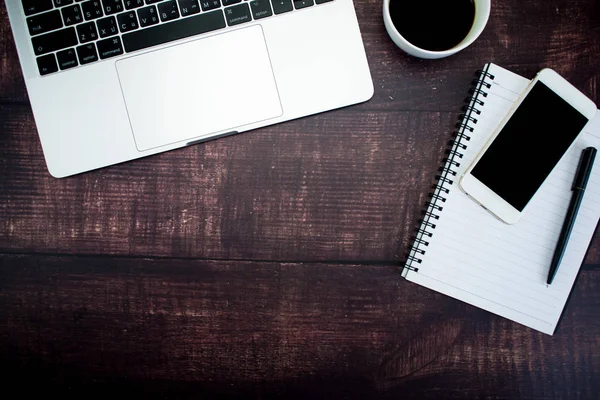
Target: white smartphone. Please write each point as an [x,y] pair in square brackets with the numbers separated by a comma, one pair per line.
[524,149]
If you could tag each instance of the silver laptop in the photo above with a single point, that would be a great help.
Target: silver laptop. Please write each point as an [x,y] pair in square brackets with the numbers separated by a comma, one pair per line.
[114,80]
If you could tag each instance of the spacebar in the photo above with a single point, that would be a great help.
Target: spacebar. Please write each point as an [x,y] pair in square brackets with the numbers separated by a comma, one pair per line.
[179,29]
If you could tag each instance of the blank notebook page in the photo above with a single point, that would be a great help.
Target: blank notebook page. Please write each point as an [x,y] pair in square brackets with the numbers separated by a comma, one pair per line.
[476,258]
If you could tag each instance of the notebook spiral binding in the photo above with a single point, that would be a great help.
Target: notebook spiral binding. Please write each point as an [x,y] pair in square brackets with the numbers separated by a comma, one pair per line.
[447,174]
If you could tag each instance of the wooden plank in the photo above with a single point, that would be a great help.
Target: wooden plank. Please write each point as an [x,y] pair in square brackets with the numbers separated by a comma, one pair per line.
[560,34]
[270,328]
[346,186]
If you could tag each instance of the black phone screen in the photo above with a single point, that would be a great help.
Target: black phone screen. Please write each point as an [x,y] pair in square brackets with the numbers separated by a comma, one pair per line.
[529,146]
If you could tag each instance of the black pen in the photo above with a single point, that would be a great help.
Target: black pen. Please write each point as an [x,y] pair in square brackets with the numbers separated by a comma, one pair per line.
[584,170]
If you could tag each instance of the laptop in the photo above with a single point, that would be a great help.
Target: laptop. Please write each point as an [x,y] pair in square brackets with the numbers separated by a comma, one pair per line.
[114,80]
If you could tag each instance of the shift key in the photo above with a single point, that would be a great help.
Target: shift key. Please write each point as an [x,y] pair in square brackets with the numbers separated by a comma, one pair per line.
[53,41]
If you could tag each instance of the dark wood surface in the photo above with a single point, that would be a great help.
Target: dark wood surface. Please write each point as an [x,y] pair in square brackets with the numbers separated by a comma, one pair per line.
[265,264]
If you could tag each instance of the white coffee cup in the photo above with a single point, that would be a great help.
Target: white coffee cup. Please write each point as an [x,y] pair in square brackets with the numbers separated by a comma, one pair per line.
[482,14]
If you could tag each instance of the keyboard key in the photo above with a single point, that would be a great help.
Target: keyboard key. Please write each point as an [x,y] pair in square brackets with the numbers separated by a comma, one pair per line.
[298,4]
[43,23]
[148,16]
[180,29]
[127,21]
[261,9]
[282,6]
[189,7]
[152,1]
[72,15]
[60,3]
[322,1]
[230,2]
[53,41]
[129,4]
[87,53]
[238,14]
[36,6]
[92,9]
[67,59]
[87,32]
[210,4]
[168,11]
[109,47]
[112,6]
[107,27]
[47,64]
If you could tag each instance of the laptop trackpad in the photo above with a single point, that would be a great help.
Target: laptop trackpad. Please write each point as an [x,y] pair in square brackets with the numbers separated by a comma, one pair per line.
[211,85]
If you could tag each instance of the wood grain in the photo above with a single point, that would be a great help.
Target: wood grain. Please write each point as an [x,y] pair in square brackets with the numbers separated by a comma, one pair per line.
[273,328]
[304,190]
[12,85]
[348,185]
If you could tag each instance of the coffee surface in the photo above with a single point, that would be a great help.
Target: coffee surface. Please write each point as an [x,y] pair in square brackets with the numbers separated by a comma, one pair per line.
[434,25]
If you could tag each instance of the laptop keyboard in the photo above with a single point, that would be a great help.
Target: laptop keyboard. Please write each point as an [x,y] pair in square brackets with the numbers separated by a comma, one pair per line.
[71,33]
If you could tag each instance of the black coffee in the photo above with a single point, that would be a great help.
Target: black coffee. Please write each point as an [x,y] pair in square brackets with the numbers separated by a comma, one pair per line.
[434,25]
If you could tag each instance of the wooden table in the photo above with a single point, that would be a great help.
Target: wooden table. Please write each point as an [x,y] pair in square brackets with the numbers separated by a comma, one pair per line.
[266,263]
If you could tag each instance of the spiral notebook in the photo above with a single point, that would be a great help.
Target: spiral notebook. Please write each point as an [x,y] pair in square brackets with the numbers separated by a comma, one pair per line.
[463,251]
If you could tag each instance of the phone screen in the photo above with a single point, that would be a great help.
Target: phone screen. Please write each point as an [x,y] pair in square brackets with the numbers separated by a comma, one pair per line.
[529,146]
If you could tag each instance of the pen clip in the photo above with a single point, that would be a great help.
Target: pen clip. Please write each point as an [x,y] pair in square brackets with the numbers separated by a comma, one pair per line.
[586,161]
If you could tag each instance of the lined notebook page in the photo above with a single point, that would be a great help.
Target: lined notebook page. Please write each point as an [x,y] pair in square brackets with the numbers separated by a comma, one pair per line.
[502,268]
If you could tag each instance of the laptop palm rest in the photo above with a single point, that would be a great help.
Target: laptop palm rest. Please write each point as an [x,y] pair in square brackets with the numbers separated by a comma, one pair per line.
[200,88]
